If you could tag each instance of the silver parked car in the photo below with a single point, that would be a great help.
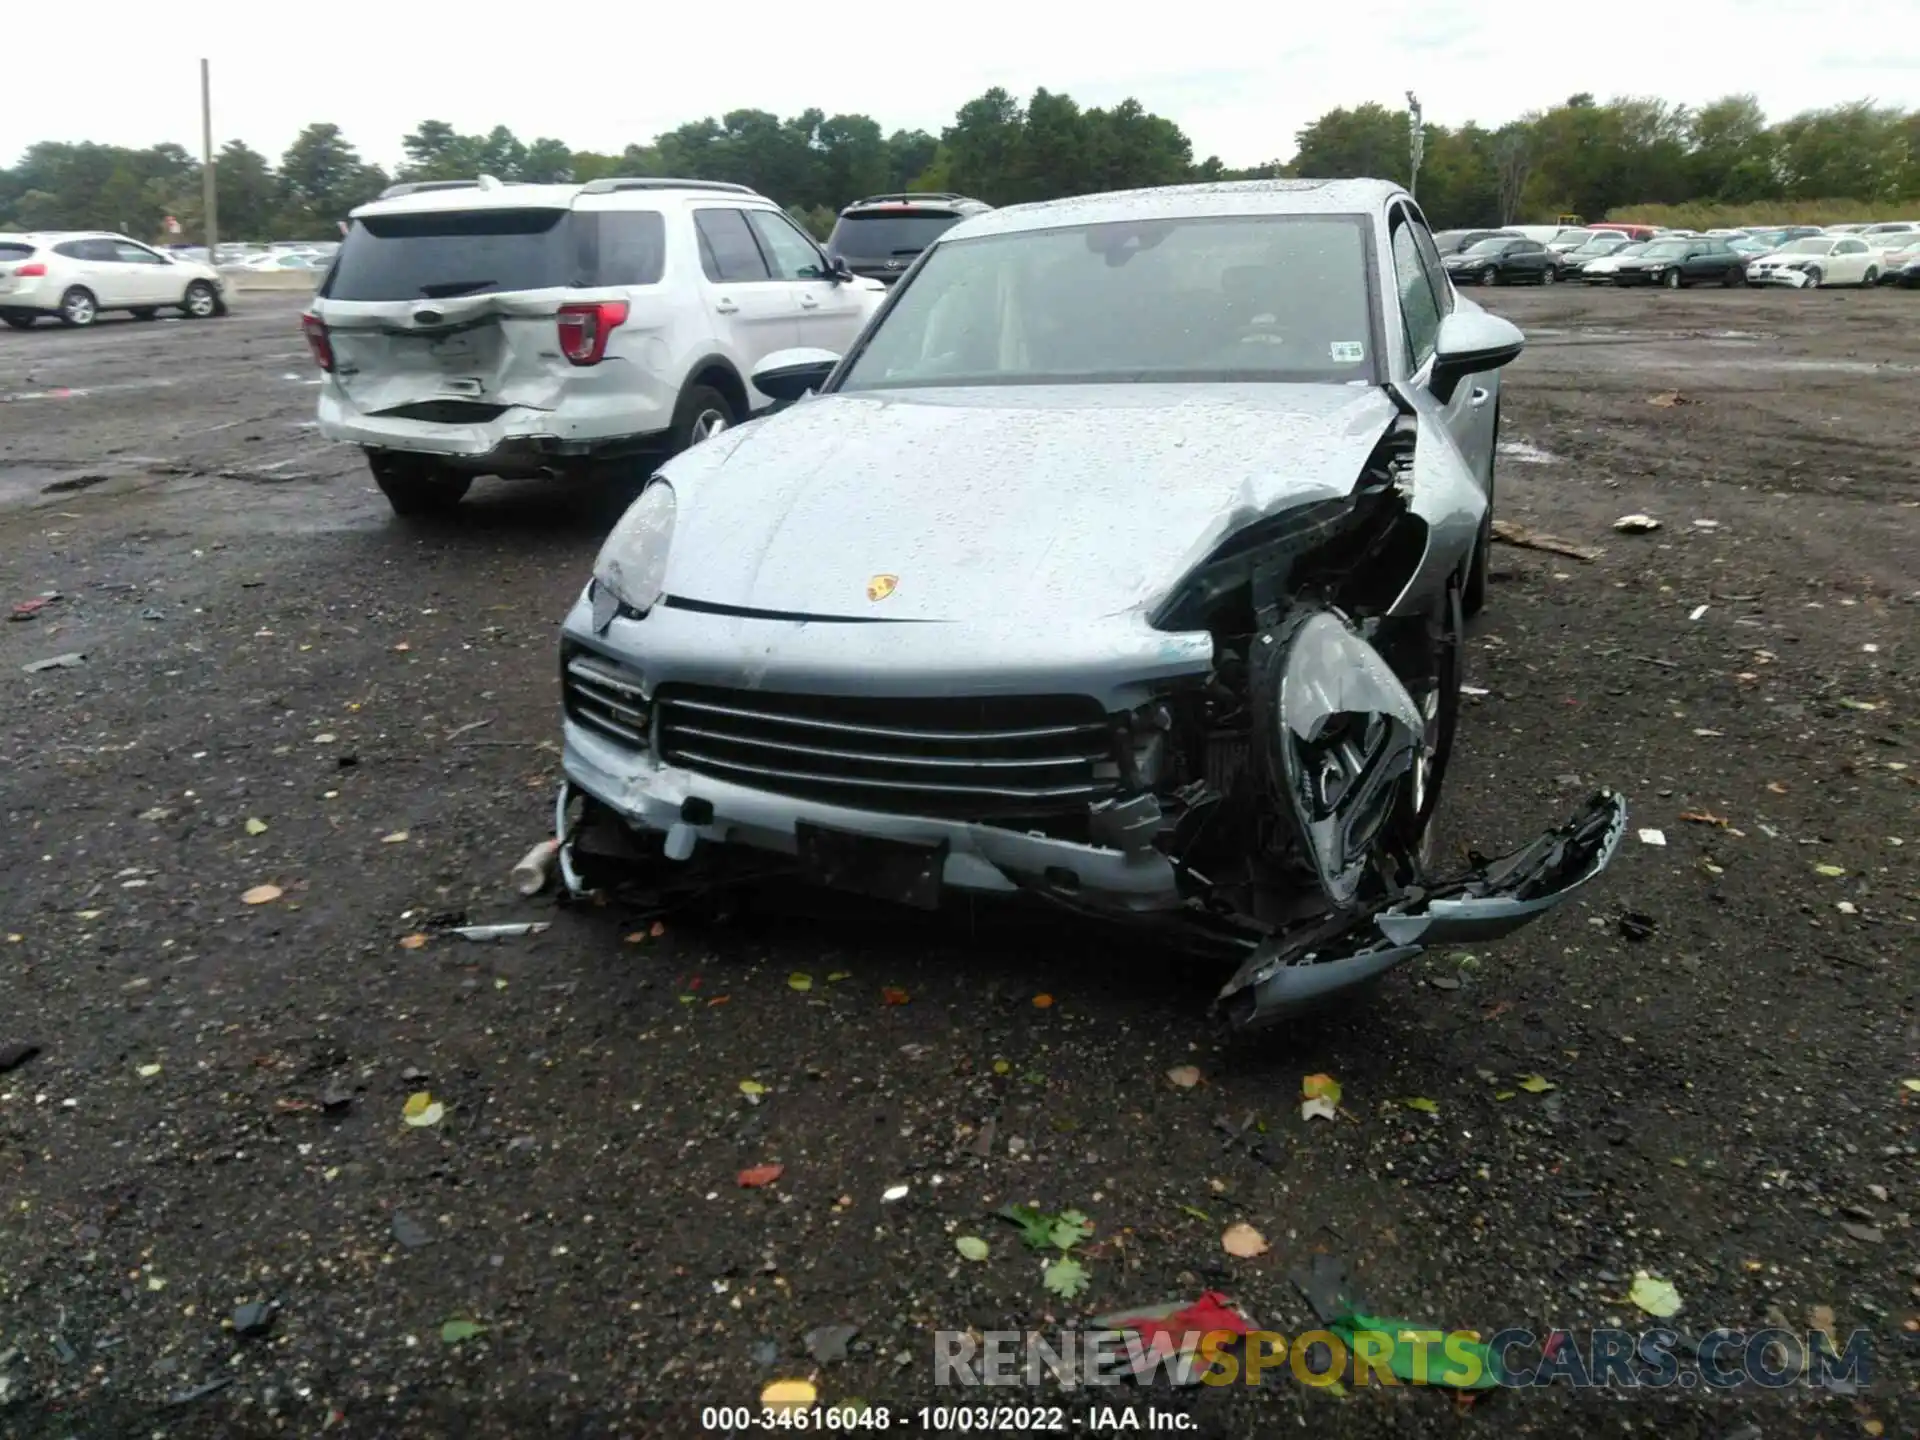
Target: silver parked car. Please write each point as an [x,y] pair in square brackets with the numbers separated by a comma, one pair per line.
[1121,563]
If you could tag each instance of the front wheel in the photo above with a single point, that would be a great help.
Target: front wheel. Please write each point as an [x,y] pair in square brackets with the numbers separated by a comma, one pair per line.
[200,301]
[1814,280]
[1548,276]
[78,308]
[1673,281]
[1736,276]
[417,488]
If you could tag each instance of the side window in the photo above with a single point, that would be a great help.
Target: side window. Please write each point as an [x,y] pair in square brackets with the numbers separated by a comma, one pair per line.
[1430,262]
[72,249]
[1419,309]
[633,247]
[100,251]
[793,255]
[128,253]
[728,251]
[1853,247]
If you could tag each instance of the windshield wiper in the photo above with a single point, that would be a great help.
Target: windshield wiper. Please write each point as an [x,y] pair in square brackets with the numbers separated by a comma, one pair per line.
[450,288]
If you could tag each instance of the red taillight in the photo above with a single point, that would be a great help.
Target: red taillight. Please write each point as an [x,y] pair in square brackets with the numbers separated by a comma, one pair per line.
[31,272]
[584,329]
[317,341]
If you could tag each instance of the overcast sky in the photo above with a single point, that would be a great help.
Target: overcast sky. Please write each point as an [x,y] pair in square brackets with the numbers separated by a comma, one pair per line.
[1239,78]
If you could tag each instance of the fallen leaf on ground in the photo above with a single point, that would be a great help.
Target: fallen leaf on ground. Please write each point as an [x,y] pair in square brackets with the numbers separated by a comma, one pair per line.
[1911,1084]
[1537,1085]
[147,1072]
[1832,872]
[656,930]
[422,1110]
[752,1087]
[636,937]
[1041,1002]
[256,827]
[1185,1076]
[1667,399]
[800,982]
[1820,1319]
[1422,1104]
[398,837]
[261,894]
[971,1247]
[1243,1241]
[1065,1277]
[1320,1087]
[413,941]
[1776,787]
[754,1176]
[1505,1094]
[787,1395]
[837,976]
[1656,1297]
[893,995]
[454,1331]
[403,647]
[1705,817]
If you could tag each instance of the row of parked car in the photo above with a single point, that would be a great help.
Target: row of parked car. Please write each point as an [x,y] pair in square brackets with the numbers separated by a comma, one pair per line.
[1796,256]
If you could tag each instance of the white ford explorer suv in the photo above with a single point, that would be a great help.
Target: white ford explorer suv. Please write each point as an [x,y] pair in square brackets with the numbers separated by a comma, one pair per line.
[476,327]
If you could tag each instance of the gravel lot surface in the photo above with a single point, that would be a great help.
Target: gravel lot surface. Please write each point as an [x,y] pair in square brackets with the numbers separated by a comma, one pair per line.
[284,686]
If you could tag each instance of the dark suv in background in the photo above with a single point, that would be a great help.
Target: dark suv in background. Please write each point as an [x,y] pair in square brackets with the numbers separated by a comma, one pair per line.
[882,235]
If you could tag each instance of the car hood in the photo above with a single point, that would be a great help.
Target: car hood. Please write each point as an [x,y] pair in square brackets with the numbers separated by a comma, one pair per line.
[1029,505]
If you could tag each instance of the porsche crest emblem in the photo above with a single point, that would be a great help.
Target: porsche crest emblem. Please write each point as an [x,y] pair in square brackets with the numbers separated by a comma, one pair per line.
[881,586]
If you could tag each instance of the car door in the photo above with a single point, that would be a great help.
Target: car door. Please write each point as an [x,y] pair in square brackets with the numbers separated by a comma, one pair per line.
[1851,258]
[98,267]
[150,278]
[1467,414]
[830,312]
[753,313]
[1531,259]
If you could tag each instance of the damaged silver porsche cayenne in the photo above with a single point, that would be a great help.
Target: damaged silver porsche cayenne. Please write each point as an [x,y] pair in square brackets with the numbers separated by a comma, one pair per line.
[1122,563]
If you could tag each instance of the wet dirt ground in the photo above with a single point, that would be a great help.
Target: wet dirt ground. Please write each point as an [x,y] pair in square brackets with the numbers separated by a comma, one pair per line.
[283,686]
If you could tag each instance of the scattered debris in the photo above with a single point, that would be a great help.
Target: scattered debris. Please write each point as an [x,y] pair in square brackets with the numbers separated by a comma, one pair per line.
[752,1088]
[414,941]
[1696,612]
[1517,535]
[398,837]
[971,1247]
[459,730]
[1244,1242]
[893,1193]
[1657,1297]
[1653,837]
[893,995]
[1637,925]
[1706,817]
[15,1054]
[410,1232]
[800,981]
[1700,524]
[199,1392]
[827,1344]
[1865,1234]
[1319,1097]
[422,1110]
[1537,1085]
[1184,1076]
[755,1176]
[27,609]
[1666,400]
[262,895]
[787,1395]
[535,869]
[56,662]
[1636,524]
[455,1331]
[254,1318]
[256,826]
[1832,872]
[1422,1104]
[1042,1002]
[512,930]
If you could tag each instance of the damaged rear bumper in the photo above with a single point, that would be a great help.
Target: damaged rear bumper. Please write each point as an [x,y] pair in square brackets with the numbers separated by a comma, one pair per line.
[1495,898]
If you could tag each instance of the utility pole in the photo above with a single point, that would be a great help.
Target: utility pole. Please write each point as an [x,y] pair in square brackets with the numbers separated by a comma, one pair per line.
[209,188]
[1417,142]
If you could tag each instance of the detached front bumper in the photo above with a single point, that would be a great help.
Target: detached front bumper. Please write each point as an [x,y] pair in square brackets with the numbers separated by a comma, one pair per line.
[1792,279]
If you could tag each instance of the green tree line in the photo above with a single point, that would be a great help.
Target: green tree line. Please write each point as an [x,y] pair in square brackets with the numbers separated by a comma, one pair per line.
[1583,157]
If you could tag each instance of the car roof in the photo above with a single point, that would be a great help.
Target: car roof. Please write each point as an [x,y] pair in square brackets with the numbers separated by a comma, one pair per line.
[1173,202]
[486,193]
[927,199]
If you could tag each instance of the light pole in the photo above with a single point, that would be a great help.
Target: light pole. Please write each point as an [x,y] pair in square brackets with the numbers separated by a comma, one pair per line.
[1417,142]
[209,190]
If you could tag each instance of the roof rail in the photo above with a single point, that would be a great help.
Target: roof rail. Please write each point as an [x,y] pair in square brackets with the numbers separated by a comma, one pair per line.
[416,187]
[911,195]
[612,184]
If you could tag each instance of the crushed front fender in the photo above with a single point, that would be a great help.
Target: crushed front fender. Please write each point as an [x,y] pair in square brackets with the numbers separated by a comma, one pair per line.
[1286,977]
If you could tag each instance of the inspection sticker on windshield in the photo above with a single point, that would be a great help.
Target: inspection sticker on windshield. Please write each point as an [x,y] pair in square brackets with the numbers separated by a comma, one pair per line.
[1347,352]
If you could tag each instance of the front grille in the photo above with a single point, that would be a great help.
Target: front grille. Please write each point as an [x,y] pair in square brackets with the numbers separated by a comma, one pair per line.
[607,698]
[994,758]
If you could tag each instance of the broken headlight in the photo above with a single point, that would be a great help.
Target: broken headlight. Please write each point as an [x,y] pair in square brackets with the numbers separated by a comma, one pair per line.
[632,565]
[1344,734]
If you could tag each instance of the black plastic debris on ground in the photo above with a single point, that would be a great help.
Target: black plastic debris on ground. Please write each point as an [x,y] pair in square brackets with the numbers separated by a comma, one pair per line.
[14,1055]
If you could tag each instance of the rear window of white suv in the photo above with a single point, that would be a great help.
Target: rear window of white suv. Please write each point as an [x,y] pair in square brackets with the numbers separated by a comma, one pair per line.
[440,254]
[12,250]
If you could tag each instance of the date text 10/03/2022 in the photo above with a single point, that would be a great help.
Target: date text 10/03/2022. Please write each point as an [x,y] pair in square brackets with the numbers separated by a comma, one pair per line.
[948,1419]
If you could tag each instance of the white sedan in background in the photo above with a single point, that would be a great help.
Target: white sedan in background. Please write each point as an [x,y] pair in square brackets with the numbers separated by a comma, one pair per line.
[1816,260]
[75,275]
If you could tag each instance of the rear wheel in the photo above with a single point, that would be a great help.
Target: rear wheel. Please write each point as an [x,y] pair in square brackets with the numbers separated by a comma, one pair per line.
[416,487]
[1736,275]
[1549,275]
[78,308]
[1872,277]
[702,413]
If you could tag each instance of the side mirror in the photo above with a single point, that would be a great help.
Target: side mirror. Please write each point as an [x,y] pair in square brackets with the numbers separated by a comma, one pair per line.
[838,270]
[787,375]
[1469,342]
